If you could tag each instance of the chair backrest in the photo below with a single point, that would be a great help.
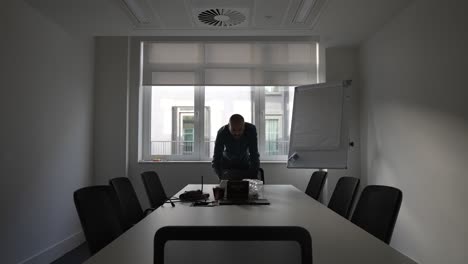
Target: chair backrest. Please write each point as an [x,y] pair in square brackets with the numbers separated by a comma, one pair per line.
[99,217]
[262,175]
[129,205]
[233,233]
[154,189]
[377,210]
[343,196]
[316,182]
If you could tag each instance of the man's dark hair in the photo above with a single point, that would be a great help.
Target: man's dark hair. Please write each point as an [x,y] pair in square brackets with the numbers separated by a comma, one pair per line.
[236,118]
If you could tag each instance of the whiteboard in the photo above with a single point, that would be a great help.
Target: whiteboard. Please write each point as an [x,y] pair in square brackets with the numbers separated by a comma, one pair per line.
[319,128]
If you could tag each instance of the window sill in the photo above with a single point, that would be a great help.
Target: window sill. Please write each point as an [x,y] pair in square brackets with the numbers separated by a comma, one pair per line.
[202,161]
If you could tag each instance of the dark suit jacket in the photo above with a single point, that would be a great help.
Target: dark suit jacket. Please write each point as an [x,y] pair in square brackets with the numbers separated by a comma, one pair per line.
[230,151]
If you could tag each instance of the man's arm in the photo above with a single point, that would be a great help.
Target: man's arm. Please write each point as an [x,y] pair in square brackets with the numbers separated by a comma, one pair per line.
[218,154]
[253,148]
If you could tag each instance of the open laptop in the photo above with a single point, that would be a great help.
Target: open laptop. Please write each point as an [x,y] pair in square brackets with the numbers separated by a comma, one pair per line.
[238,194]
[238,174]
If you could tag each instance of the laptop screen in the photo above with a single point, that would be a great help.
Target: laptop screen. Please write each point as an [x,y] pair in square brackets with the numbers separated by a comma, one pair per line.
[238,190]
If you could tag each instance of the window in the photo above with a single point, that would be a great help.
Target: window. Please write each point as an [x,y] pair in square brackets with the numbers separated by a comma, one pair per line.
[172,125]
[187,132]
[271,136]
[272,90]
[278,114]
[175,123]
[225,101]
[181,79]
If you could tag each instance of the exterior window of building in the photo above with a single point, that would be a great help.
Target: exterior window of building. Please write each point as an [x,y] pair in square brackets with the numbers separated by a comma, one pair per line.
[187,133]
[175,123]
[278,113]
[271,136]
[172,120]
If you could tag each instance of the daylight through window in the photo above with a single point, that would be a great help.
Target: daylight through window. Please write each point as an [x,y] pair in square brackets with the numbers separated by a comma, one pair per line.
[190,90]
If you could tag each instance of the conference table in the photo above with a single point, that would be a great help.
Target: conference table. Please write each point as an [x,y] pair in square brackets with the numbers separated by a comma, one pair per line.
[334,239]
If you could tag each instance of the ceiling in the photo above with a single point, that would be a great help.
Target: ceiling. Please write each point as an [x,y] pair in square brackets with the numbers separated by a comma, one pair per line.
[334,22]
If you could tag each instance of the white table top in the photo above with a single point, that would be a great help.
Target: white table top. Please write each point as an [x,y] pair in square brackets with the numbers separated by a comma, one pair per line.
[334,239]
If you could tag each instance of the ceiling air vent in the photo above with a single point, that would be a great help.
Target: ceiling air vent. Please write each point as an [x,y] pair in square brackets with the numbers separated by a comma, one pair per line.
[221,17]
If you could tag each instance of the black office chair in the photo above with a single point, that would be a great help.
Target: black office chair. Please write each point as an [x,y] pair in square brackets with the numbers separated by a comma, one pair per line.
[154,189]
[129,205]
[377,211]
[99,217]
[343,196]
[233,233]
[262,175]
[316,182]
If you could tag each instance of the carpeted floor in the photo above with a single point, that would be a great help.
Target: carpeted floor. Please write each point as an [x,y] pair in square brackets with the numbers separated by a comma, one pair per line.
[75,256]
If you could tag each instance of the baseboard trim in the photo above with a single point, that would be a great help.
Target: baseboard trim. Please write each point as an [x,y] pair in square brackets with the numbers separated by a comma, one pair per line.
[55,251]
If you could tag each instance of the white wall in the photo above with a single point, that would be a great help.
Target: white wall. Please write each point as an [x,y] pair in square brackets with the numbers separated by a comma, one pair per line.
[45,137]
[342,64]
[415,126]
[110,107]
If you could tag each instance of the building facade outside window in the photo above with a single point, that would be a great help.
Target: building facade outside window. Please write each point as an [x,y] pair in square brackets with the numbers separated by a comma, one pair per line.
[174,123]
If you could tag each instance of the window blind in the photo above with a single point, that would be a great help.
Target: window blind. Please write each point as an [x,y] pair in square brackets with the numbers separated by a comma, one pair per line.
[229,63]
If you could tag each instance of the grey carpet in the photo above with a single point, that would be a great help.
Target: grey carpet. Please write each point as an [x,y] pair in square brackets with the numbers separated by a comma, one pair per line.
[76,256]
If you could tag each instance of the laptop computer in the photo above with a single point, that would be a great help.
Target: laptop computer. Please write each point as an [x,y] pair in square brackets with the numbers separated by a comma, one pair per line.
[238,194]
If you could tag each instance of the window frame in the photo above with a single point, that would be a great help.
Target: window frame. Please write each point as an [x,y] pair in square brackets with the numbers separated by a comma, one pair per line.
[146,126]
[200,153]
[142,124]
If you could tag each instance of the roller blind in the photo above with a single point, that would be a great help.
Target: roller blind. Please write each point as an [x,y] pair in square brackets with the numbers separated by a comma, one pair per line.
[229,63]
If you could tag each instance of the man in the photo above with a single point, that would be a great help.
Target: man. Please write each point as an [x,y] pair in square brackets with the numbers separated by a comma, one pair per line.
[236,146]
